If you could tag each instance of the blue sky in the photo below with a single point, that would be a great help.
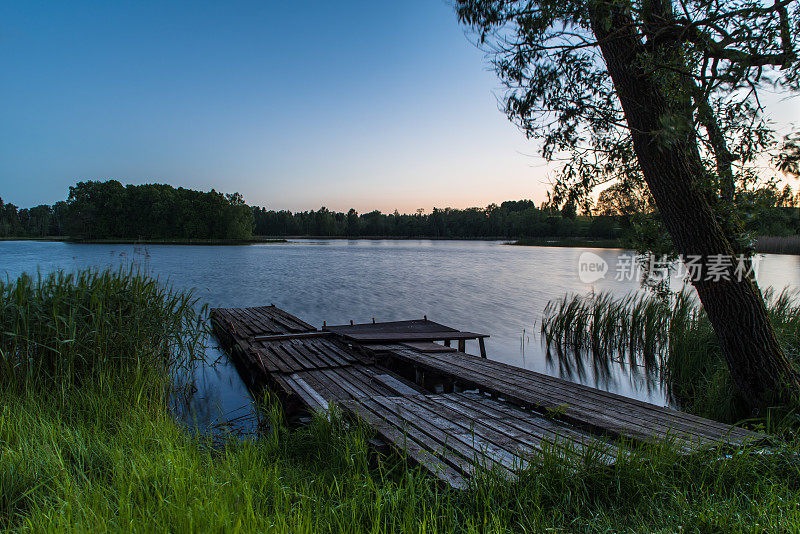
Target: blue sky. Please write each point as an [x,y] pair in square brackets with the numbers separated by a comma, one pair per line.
[373,105]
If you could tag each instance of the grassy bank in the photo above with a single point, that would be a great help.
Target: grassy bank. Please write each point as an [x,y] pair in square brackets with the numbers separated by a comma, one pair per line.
[88,444]
[96,462]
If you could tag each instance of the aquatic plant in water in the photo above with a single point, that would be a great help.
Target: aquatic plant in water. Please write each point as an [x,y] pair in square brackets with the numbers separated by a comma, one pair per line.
[669,340]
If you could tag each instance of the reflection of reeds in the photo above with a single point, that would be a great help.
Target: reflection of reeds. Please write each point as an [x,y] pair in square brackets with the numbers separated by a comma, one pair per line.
[668,340]
[778,245]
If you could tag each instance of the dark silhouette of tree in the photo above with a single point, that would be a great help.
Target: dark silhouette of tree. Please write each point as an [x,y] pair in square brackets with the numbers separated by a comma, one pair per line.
[665,95]
[107,210]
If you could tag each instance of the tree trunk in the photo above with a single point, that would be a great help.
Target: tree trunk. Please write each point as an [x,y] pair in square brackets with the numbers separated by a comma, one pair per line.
[672,167]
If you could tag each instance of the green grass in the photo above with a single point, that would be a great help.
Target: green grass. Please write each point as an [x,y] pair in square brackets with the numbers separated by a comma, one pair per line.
[94,462]
[92,446]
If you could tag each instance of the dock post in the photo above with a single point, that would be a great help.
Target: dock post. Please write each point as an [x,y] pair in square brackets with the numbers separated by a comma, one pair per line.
[462,345]
[483,347]
[448,385]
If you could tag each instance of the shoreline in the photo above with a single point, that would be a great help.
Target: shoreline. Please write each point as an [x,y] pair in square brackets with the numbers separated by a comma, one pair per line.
[544,242]
[764,244]
[569,243]
[123,241]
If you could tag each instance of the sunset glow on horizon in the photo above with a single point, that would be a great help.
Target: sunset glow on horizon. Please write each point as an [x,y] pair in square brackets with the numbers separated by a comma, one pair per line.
[363,105]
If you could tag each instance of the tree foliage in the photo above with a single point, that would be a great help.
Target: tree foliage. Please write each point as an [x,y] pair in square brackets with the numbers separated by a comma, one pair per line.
[108,210]
[713,59]
[511,219]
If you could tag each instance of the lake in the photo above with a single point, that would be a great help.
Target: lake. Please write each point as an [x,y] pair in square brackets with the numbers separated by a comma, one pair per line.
[486,287]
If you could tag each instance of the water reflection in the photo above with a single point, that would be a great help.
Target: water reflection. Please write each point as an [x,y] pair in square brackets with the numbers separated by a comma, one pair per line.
[218,402]
[477,286]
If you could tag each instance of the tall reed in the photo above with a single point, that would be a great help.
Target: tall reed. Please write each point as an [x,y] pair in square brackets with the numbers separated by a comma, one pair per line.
[668,340]
[71,329]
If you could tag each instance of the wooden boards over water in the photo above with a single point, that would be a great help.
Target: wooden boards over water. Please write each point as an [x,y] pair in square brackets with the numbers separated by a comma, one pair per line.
[412,392]
[583,406]
[454,435]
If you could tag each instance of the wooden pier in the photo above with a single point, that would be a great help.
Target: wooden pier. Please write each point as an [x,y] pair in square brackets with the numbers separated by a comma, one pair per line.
[450,411]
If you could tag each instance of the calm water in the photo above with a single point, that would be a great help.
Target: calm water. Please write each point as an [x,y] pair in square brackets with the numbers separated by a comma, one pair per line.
[479,286]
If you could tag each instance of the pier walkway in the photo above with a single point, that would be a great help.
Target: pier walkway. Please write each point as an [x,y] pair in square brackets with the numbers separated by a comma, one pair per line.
[450,411]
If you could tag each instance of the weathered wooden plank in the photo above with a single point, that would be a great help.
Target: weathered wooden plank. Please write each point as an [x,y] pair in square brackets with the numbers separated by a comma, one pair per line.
[528,421]
[428,346]
[315,396]
[302,361]
[298,323]
[458,454]
[267,363]
[647,413]
[293,335]
[606,397]
[309,353]
[354,382]
[598,420]
[253,323]
[619,416]
[396,385]
[329,389]
[416,325]
[331,346]
[387,337]
[400,439]
[482,441]
[293,389]
[239,325]
[529,428]
[386,382]
[325,353]
[449,433]
[384,347]
[275,358]
[277,322]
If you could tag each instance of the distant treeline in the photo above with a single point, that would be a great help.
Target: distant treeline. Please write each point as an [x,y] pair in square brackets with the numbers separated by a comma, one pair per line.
[107,210]
[511,219]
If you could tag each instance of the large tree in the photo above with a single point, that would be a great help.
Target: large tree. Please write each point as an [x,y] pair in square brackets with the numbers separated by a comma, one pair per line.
[662,95]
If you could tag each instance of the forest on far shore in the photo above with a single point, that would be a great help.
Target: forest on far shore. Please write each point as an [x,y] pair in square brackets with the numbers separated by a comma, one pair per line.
[96,210]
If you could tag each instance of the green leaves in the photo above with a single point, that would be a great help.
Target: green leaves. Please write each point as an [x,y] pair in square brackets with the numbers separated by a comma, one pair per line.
[709,62]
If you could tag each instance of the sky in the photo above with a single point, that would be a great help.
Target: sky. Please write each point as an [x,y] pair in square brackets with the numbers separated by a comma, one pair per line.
[296,105]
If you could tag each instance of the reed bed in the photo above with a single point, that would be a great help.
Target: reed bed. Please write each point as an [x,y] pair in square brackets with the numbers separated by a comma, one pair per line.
[96,328]
[667,340]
